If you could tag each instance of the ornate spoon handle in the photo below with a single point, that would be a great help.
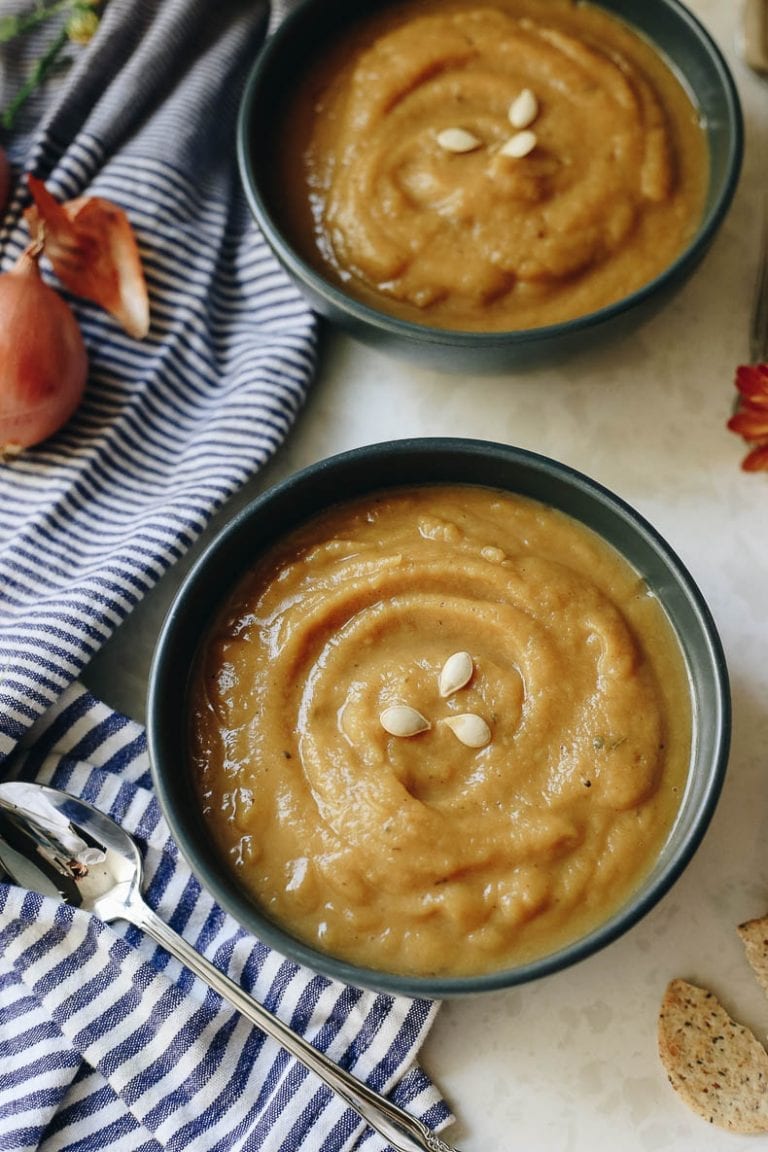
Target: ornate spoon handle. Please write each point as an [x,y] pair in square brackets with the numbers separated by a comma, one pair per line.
[753,34]
[758,334]
[404,1132]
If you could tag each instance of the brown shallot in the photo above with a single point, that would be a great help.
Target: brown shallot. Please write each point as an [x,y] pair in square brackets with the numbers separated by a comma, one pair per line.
[43,361]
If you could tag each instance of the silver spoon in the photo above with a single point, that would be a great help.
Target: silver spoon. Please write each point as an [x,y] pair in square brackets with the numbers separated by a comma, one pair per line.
[56,844]
[752,36]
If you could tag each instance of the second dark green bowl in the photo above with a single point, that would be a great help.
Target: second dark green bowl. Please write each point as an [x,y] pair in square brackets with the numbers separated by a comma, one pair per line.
[416,462]
[667,24]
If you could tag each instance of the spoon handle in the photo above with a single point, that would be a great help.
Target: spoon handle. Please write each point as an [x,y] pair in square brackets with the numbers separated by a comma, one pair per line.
[758,341]
[753,34]
[403,1132]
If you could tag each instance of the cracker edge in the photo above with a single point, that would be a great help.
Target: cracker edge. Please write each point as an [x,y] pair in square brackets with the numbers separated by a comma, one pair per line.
[754,937]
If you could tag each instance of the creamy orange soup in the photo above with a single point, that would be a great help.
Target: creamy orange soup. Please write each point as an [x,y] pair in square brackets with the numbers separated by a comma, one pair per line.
[494,165]
[442,730]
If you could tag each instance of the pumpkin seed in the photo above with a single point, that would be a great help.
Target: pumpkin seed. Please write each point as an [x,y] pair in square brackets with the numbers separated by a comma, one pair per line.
[524,109]
[470,729]
[457,140]
[402,720]
[519,145]
[455,673]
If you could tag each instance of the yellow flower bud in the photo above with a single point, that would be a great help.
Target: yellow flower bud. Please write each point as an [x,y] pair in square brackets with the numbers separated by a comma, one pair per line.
[81,26]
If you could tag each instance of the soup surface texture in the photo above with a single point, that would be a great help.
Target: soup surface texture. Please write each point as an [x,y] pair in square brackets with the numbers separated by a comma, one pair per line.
[486,166]
[440,730]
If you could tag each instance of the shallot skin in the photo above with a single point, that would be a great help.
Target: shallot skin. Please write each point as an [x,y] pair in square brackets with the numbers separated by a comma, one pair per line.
[43,359]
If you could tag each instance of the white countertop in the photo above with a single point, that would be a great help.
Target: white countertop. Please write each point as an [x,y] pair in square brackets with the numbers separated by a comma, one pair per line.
[570,1063]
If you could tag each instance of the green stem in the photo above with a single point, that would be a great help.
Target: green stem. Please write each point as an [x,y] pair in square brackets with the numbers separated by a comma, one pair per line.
[36,77]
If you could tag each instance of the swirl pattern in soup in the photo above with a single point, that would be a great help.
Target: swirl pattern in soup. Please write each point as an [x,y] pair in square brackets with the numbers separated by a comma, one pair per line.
[427,852]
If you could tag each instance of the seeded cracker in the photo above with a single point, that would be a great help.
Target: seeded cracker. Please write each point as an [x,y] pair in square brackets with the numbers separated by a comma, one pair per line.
[716,1065]
[754,935]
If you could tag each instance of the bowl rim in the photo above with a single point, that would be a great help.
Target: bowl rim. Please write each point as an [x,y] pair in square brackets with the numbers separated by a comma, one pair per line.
[163,745]
[395,327]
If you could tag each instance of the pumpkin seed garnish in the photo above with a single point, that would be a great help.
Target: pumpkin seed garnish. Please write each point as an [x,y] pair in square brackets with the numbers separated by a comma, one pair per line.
[402,720]
[519,145]
[470,729]
[457,140]
[455,673]
[524,109]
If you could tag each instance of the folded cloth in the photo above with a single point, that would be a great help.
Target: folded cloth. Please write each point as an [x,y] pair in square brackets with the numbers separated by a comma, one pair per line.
[105,1041]
[172,425]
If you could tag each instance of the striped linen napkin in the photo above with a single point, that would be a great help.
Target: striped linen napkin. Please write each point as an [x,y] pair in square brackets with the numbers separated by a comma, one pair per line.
[174,424]
[105,1041]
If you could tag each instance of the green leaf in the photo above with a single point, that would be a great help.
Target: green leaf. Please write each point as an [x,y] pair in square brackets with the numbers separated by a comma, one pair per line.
[33,81]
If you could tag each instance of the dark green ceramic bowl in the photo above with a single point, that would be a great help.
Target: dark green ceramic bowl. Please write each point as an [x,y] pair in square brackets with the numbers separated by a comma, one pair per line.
[667,24]
[433,461]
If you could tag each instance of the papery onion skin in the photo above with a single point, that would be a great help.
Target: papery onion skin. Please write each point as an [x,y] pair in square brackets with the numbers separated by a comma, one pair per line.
[43,359]
[93,251]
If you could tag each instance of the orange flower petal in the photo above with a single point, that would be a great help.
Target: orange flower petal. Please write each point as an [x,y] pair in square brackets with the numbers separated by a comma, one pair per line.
[756,460]
[749,422]
[93,250]
[752,383]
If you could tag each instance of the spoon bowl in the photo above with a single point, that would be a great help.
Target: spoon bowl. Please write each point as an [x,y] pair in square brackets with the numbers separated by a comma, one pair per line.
[61,846]
[77,852]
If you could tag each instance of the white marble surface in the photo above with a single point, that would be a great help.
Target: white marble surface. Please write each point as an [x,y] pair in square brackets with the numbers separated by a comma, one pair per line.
[570,1063]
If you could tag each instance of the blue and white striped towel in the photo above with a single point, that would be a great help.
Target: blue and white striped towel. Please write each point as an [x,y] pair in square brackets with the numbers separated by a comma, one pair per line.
[105,1042]
[173,425]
